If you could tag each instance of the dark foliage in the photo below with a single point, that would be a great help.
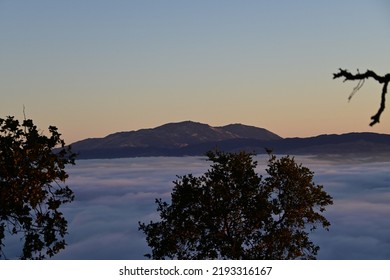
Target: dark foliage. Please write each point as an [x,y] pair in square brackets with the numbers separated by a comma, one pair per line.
[230,212]
[32,188]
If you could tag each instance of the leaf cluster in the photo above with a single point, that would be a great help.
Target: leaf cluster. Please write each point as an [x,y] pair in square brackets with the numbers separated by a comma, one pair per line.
[32,177]
[231,212]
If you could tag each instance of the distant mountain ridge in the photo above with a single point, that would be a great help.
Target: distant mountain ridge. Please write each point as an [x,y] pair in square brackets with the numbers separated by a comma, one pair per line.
[179,134]
[193,138]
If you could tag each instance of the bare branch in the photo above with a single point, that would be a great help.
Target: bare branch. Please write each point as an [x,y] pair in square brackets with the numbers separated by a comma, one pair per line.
[361,77]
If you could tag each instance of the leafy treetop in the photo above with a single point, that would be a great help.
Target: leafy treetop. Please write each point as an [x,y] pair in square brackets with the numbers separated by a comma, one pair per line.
[230,212]
[32,187]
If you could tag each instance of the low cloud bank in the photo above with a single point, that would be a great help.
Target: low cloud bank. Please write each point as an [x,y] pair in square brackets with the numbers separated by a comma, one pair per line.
[112,196]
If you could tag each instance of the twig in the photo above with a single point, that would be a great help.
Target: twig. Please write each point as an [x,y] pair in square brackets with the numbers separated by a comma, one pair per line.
[361,77]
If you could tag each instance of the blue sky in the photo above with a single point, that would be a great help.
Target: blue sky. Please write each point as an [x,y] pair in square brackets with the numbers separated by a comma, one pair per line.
[96,67]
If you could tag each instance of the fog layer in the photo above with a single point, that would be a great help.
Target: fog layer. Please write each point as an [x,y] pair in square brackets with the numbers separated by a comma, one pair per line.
[112,196]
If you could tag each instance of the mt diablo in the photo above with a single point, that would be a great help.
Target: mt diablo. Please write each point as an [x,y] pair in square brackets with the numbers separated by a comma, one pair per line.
[193,139]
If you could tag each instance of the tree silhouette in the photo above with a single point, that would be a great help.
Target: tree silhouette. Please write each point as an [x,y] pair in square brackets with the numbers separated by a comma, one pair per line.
[32,189]
[361,77]
[231,212]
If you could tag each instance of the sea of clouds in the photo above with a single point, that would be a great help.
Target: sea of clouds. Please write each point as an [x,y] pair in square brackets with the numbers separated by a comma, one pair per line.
[112,196]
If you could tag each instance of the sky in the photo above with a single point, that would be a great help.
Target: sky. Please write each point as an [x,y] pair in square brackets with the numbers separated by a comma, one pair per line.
[112,196]
[96,67]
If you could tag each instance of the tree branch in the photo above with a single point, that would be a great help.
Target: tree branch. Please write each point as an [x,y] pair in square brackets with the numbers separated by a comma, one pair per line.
[361,77]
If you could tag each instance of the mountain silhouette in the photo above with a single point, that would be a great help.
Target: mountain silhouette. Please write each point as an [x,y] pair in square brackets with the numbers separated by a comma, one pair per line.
[192,138]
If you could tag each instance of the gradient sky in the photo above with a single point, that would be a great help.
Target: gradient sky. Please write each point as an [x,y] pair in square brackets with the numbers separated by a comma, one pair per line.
[95,67]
